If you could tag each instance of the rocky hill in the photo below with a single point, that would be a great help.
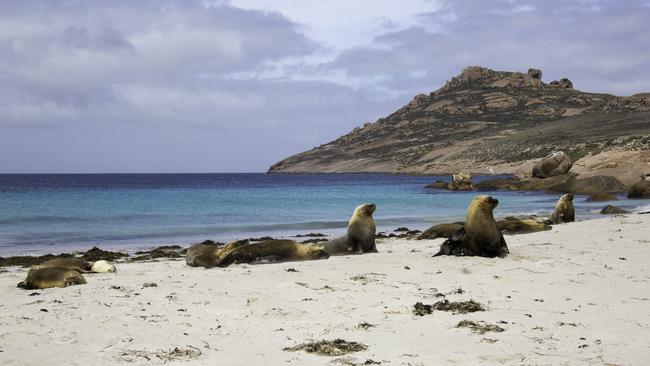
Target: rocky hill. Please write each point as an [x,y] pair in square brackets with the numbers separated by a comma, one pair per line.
[486,121]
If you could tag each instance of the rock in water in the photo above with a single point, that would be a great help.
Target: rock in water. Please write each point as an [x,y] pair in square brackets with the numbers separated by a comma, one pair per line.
[602,197]
[556,163]
[461,182]
[612,210]
[639,190]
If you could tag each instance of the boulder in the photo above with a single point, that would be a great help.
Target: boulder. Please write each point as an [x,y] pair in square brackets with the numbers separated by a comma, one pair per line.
[438,185]
[554,164]
[565,83]
[535,73]
[602,197]
[590,185]
[639,190]
[612,210]
[461,182]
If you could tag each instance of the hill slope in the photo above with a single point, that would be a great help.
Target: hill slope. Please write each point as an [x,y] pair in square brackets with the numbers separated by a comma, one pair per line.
[487,121]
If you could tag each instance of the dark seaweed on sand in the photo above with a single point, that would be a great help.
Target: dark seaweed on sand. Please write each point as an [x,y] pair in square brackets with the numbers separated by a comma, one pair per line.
[479,328]
[96,254]
[337,347]
[456,307]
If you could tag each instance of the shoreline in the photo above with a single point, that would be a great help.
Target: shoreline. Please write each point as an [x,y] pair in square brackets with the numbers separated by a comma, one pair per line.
[547,296]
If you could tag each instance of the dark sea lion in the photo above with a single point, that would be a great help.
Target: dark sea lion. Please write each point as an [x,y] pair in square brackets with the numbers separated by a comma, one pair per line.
[564,210]
[274,250]
[77,264]
[480,235]
[40,278]
[360,236]
[208,256]
[441,230]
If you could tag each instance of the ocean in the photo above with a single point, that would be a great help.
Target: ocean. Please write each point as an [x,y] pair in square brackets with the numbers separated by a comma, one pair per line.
[63,212]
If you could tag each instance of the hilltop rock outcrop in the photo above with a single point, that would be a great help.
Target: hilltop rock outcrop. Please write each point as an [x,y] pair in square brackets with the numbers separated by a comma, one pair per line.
[484,121]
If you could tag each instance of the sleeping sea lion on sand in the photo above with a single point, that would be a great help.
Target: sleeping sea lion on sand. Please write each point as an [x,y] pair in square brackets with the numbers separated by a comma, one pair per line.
[360,237]
[564,210]
[480,235]
[274,250]
[77,264]
[441,231]
[208,256]
[40,278]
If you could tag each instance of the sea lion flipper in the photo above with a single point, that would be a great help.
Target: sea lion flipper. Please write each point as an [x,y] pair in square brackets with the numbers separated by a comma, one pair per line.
[452,245]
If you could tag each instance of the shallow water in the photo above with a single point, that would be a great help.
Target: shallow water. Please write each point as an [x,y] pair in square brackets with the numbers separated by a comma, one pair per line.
[43,213]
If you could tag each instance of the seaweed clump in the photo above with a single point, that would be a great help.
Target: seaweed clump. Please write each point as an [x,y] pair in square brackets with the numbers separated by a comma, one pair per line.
[479,328]
[456,307]
[337,347]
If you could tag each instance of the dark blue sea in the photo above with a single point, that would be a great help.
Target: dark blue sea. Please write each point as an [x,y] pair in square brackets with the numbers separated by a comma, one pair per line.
[58,213]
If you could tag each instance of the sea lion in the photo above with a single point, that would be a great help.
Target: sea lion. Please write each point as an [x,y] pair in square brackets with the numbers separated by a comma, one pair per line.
[208,256]
[480,235]
[441,231]
[564,210]
[77,264]
[274,250]
[523,225]
[40,278]
[360,237]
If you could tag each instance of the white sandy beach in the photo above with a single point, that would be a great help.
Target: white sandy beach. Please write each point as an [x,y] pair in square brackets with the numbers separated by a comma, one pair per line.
[576,295]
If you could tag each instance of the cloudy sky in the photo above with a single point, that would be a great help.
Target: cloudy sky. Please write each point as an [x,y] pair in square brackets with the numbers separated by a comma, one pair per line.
[234,86]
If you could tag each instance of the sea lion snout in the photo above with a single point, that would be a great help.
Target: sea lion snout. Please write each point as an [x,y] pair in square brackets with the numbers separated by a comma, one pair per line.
[370,208]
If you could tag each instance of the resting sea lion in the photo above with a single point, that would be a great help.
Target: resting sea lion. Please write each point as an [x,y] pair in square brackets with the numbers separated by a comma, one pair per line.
[208,256]
[564,210]
[360,237]
[523,225]
[480,235]
[275,250]
[441,230]
[40,278]
[77,264]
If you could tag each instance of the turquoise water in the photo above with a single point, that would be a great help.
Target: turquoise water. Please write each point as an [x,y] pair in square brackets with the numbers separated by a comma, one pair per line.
[51,213]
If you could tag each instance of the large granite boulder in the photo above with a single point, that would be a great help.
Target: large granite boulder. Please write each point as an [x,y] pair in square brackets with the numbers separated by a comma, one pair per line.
[554,164]
[639,190]
[601,197]
[590,185]
[461,182]
[612,210]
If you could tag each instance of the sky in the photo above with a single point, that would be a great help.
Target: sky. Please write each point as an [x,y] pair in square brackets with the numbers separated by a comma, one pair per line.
[235,86]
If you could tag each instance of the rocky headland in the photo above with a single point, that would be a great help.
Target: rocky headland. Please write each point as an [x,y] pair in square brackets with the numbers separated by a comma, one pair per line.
[494,122]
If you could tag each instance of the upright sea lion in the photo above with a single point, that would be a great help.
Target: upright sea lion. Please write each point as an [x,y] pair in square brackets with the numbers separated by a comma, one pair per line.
[77,264]
[360,237]
[208,256]
[40,278]
[274,250]
[564,210]
[480,235]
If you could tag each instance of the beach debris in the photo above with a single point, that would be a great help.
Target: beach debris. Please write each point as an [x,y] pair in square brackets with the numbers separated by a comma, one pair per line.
[165,251]
[456,307]
[310,235]
[149,284]
[175,354]
[291,269]
[337,347]
[402,228]
[479,328]
[96,254]
[28,260]
[349,361]
[407,267]
[365,325]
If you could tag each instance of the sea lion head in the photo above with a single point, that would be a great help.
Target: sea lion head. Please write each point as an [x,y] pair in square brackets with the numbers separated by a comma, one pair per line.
[568,197]
[314,252]
[103,266]
[367,209]
[486,202]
